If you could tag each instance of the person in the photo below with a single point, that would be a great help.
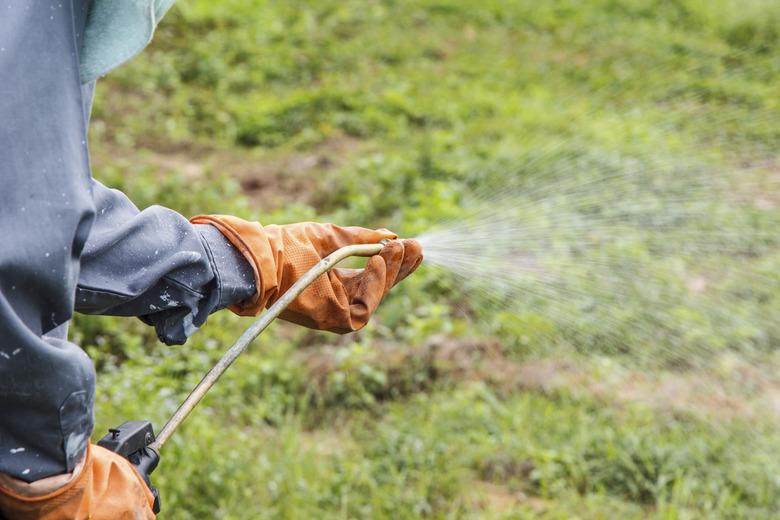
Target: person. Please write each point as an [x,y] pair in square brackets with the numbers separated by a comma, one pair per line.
[72,244]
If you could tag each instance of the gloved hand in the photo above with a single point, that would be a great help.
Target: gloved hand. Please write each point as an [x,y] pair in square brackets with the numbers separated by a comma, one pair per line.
[106,487]
[340,301]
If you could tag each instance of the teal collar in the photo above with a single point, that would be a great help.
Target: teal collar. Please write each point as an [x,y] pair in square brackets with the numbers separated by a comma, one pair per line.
[116,31]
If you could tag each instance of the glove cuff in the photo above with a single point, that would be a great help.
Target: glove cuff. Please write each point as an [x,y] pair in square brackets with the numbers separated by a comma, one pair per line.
[22,501]
[106,488]
[252,241]
[12,489]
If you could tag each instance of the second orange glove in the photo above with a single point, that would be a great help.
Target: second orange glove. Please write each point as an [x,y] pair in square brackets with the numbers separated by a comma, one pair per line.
[106,487]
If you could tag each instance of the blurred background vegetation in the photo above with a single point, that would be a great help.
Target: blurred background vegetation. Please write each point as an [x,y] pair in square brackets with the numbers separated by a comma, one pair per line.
[389,113]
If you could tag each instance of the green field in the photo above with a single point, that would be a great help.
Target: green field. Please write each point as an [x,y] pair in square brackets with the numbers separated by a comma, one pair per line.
[391,113]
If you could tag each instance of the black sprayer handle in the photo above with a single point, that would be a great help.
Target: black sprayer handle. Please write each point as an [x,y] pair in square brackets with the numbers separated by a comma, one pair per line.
[131,440]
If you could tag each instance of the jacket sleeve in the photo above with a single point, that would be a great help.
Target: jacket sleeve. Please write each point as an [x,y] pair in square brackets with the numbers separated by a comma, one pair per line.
[47,384]
[155,265]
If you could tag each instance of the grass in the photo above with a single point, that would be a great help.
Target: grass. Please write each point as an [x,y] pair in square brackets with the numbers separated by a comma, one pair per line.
[391,113]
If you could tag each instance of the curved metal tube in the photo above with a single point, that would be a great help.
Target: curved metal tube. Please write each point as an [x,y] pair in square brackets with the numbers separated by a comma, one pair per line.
[254,330]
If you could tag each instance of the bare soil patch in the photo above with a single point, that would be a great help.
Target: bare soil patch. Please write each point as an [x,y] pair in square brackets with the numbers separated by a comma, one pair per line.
[270,179]
[731,388]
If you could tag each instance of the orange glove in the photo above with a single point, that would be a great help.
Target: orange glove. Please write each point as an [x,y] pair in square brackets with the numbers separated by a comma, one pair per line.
[106,487]
[341,300]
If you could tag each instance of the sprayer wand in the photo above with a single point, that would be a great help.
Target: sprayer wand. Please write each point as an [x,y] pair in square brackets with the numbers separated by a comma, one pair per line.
[135,440]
